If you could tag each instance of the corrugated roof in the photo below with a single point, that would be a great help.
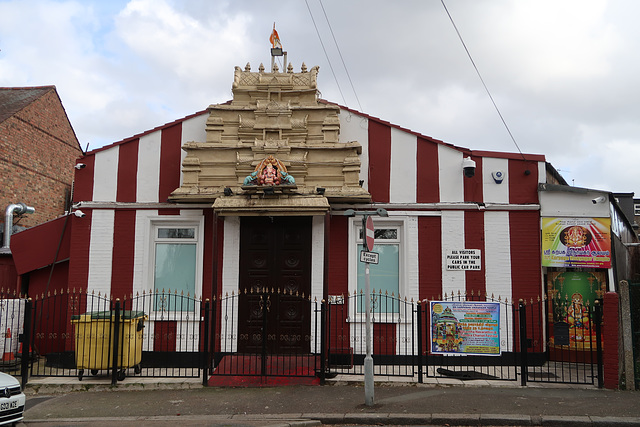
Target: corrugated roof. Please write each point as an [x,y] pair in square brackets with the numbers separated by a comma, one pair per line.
[14,99]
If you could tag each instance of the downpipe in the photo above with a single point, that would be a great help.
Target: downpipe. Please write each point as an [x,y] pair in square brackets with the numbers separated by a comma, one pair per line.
[14,208]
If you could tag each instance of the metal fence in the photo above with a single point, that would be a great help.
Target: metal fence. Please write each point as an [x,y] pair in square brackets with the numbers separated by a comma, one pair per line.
[75,334]
[164,334]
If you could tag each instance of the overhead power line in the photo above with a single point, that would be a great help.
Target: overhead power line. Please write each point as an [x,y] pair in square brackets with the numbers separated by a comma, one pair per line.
[325,52]
[481,79]
[341,58]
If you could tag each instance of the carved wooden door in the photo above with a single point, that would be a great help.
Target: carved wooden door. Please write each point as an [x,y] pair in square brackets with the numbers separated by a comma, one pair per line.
[275,265]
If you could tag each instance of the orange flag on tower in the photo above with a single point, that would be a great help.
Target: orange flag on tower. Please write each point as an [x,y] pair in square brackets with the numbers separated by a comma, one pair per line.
[275,38]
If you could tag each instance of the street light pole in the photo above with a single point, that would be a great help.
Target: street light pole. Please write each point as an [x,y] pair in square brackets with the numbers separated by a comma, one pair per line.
[368,359]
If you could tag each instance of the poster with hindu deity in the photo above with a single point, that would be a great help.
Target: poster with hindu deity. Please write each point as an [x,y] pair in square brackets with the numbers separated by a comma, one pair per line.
[576,242]
[571,297]
[468,328]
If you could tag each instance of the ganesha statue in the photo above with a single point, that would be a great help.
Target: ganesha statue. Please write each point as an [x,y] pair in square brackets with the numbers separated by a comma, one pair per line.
[269,172]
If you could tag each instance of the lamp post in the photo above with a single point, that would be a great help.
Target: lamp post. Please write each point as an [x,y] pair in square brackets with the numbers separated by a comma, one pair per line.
[367,244]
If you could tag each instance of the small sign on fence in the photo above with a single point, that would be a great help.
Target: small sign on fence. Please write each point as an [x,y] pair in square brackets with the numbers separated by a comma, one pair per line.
[463,327]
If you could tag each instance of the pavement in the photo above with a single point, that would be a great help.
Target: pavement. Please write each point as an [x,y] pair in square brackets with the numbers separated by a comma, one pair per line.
[438,402]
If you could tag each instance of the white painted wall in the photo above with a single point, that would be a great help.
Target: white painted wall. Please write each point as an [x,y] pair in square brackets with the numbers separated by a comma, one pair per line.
[492,192]
[148,182]
[356,128]
[193,129]
[403,174]
[450,170]
[452,239]
[101,251]
[105,183]
[573,204]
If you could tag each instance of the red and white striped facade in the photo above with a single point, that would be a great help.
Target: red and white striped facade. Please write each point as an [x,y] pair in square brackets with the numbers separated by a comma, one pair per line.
[124,188]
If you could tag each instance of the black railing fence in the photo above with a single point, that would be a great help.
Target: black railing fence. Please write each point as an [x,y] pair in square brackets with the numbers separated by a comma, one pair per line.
[272,332]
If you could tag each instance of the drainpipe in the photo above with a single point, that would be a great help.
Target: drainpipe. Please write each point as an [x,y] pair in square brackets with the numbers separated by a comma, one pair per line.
[14,208]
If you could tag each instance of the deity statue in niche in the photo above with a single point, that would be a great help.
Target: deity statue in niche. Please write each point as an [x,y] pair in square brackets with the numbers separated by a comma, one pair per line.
[269,175]
[270,172]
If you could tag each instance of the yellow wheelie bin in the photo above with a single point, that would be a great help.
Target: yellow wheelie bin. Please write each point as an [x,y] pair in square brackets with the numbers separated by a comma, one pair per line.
[94,336]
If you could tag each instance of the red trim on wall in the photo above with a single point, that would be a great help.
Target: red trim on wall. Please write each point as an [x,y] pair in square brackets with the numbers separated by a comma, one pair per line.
[610,338]
[164,337]
[30,254]
[474,239]
[170,161]
[526,275]
[523,185]
[83,180]
[79,250]
[430,256]
[473,190]
[379,161]
[339,256]
[428,179]
[384,338]
[169,211]
[124,232]
[127,171]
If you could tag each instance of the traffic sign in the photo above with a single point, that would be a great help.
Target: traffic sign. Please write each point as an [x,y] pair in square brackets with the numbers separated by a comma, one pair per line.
[369,257]
[370,233]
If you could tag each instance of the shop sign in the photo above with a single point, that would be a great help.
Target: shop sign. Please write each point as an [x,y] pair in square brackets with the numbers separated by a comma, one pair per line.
[463,327]
[576,242]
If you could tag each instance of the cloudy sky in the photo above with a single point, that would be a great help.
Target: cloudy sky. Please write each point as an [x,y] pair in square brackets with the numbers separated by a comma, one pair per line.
[563,73]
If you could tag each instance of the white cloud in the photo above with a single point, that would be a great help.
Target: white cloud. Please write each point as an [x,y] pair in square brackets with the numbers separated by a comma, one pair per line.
[563,73]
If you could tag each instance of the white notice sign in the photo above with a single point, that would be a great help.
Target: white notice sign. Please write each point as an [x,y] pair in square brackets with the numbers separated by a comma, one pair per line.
[463,259]
[370,257]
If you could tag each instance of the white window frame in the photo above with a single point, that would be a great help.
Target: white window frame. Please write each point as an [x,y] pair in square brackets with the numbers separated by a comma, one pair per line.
[156,223]
[355,246]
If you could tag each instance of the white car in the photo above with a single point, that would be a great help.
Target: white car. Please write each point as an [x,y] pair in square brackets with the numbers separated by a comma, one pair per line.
[12,400]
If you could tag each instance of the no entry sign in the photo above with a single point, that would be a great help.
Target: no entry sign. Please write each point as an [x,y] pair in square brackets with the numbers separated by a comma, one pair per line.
[370,233]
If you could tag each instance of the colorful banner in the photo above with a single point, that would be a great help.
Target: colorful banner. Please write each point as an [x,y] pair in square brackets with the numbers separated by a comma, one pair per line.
[576,242]
[465,328]
[571,297]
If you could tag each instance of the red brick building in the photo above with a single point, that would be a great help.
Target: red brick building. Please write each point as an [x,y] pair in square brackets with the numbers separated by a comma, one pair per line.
[38,150]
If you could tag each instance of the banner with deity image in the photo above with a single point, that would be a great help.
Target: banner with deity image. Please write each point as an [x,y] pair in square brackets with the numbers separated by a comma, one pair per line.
[576,242]
[571,298]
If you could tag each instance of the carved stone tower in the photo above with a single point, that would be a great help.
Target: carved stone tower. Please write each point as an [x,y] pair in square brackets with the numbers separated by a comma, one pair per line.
[275,116]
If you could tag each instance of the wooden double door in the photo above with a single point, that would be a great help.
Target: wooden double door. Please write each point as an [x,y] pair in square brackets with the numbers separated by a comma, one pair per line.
[274,315]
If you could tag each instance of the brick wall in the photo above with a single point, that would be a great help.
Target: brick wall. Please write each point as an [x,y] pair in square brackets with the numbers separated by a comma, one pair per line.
[38,149]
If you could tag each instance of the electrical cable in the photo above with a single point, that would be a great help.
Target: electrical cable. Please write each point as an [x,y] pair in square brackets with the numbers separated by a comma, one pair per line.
[340,54]
[325,53]
[482,80]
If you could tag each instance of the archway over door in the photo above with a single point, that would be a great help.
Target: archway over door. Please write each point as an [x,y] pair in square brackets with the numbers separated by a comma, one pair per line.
[275,254]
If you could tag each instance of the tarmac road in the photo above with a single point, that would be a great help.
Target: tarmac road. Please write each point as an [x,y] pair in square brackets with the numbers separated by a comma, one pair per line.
[409,404]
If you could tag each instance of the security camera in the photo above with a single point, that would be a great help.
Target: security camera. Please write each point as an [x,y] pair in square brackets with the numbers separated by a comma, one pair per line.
[600,199]
[80,166]
[469,167]
[79,213]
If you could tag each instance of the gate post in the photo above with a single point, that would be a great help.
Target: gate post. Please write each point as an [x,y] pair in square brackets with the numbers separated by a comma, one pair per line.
[420,330]
[205,343]
[323,340]
[26,343]
[522,311]
[116,338]
[598,314]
